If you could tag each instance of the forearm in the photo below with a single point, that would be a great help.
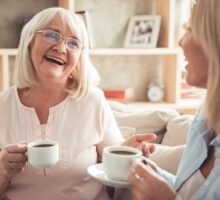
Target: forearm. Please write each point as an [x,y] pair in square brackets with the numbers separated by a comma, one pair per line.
[4,182]
[4,179]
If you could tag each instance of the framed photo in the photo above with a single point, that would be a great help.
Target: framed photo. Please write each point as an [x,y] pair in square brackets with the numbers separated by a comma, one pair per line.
[84,15]
[143,31]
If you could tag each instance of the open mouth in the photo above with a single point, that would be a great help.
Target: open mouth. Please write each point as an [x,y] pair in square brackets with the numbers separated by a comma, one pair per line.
[55,60]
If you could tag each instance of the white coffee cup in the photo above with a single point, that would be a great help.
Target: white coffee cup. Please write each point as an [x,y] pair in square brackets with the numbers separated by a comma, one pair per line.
[117,161]
[43,154]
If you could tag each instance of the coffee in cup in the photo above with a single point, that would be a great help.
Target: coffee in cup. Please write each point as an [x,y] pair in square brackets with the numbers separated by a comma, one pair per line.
[43,154]
[117,161]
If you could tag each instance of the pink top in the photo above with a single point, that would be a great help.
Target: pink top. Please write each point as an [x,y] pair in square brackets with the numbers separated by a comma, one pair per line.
[82,128]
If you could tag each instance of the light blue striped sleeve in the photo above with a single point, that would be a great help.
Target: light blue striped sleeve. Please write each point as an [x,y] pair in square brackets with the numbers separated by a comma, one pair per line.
[170,178]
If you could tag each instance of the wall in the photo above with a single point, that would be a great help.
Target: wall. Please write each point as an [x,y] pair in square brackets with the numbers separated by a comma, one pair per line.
[12,12]
[129,71]
[109,20]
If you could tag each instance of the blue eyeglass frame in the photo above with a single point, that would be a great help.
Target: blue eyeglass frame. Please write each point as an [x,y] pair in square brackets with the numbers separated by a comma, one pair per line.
[61,38]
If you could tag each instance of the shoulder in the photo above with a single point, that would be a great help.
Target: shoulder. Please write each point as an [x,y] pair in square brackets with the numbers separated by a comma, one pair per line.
[200,123]
[7,94]
[6,98]
[95,99]
[96,94]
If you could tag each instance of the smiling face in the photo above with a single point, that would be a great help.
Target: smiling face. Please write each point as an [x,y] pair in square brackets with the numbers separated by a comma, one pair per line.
[197,66]
[54,62]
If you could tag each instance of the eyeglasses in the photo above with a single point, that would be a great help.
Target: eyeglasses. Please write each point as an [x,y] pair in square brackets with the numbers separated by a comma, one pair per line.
[55,37]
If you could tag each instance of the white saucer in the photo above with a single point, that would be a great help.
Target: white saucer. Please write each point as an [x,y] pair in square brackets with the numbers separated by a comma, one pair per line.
[97,172]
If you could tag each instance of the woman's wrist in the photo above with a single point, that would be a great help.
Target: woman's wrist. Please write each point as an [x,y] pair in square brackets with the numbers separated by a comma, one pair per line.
[3,172]
[4,176]
[4,182]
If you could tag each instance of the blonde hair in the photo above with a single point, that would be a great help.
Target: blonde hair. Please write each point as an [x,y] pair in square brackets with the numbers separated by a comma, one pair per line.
[205,23]
[84,76]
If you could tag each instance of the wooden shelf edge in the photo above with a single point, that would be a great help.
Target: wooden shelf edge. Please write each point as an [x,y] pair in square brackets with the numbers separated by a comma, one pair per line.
[114,51]
[8,52]
[126,51]
[188,106]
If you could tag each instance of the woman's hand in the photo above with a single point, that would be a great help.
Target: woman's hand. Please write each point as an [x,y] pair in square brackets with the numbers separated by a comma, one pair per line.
[146,184]
[139,141]
[12,159]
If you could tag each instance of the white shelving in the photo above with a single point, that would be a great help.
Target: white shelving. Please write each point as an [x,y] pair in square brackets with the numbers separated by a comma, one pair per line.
[166,50]
[5,55]
[124,51]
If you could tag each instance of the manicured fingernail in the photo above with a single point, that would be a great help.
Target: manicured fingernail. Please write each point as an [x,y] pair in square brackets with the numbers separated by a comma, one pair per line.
[144,162]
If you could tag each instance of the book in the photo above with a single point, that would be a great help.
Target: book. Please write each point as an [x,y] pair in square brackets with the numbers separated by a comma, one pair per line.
[85,17]
[122,94]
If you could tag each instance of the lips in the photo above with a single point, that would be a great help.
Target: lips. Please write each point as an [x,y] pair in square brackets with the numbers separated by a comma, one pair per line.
[55,60]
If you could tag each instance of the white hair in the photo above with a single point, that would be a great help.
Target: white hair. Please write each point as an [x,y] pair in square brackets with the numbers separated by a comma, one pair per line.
[83,78]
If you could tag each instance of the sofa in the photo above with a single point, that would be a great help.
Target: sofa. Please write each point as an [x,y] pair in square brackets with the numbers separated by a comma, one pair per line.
[170,126]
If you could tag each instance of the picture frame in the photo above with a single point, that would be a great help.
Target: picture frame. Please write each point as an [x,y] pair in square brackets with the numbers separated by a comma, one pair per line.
[143,31]
[84,15]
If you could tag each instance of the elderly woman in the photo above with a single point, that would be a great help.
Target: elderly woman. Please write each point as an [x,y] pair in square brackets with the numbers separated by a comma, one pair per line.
[198,176]
[55,97]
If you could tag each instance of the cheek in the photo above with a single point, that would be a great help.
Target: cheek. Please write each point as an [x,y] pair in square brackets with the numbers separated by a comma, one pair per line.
[73,63]
[36,53]
[75,58]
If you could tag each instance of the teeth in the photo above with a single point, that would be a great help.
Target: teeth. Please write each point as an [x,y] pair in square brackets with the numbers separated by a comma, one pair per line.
[59,61]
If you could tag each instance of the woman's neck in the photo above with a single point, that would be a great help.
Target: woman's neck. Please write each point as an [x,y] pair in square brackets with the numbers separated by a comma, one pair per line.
[46,96]
[208,164]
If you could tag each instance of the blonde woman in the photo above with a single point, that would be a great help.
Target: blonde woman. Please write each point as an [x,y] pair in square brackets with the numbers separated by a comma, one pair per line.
[55,97]
[198,176]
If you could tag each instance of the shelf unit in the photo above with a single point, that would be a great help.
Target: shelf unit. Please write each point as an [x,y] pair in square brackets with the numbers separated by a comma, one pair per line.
[171,72]
[124,51]
[166,43]
[166,50]
[5,55]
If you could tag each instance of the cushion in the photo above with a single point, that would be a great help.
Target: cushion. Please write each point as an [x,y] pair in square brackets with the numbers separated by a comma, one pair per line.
[167,157]
[127,131]
[143,120]
[177,129]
